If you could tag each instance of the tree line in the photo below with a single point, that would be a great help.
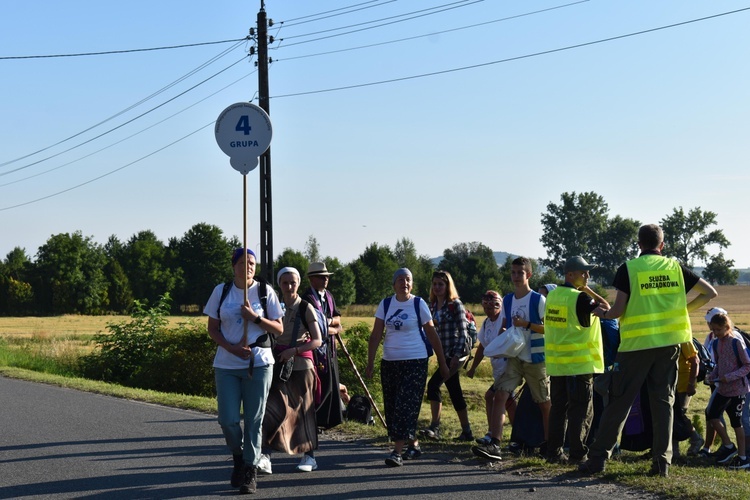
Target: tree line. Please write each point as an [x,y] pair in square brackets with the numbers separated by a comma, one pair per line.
[72,274]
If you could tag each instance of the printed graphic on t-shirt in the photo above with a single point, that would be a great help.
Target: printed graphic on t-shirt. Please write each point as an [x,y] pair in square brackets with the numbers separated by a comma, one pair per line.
[397,319]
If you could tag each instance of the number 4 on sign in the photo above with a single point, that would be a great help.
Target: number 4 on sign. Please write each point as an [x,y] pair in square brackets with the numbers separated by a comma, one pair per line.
[243,125]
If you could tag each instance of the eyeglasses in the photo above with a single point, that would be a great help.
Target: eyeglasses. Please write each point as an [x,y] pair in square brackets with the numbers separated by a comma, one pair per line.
[491,302]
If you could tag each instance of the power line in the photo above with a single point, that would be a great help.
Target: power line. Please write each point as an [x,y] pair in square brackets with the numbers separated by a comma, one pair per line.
[125,123]
[420,13]
[431,34]
[158,92]
[128,51]
[516,58]
[108,173]
[132,135]
[335,10]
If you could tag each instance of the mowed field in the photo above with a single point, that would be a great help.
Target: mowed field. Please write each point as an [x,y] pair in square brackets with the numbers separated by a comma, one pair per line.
[735,299]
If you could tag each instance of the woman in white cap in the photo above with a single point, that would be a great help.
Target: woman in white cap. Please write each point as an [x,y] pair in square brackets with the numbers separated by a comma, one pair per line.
[289,423]
[408,328]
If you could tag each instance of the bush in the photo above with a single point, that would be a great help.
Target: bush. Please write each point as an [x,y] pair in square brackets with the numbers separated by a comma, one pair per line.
[144,353]
[357,338]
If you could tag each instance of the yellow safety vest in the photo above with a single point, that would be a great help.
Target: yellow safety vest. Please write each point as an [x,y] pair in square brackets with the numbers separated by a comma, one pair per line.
[656,314]
[570,349]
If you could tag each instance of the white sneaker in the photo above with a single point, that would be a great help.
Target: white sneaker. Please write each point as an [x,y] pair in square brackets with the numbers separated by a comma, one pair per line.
[307,464]
[264,465]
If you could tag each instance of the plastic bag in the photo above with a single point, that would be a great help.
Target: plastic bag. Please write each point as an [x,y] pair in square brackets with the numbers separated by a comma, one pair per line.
[508,344]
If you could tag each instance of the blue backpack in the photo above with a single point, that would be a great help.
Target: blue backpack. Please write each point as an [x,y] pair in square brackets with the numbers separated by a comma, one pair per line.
[417,300]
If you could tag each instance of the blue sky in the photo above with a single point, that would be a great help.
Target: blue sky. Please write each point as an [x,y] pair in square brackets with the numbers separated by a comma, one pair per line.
[650,122]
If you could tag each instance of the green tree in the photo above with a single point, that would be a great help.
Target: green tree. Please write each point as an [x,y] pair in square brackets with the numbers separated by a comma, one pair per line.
[373,274]
[295,259]
[202,254]
[341,284]
[473,268]
[720,271]
[687,236]
[420,266]
[539,276]
[572,228]
[144,258]
[16,295]
[615,245]
[312,250]
[70,270]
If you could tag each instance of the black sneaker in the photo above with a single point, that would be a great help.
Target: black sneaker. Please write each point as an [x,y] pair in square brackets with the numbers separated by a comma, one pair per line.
[705,453]
[488,451]
[464,436]
[593,465]
[659,468]
[738,463]
[724,454]
[412,452]
[432,432]
[394,460]
[249,482]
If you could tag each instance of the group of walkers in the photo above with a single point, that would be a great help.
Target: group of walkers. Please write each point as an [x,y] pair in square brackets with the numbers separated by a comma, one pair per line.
[559,356]
[258,337]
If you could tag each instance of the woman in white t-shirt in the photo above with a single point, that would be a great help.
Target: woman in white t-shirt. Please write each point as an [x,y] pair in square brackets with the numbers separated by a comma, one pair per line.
[403,370]
[243,364]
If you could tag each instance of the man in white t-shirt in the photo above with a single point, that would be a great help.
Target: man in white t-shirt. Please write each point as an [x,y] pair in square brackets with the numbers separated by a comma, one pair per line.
[523,309]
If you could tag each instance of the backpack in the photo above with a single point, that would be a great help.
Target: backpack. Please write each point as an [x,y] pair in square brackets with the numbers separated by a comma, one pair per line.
[417,301]
[610,339]
[735,342]
[320,354]
[359,409]
[471,326]
[705,363]
[265,340]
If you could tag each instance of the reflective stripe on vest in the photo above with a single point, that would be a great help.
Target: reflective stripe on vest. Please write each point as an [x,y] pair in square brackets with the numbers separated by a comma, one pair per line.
[656,314]
[571,349]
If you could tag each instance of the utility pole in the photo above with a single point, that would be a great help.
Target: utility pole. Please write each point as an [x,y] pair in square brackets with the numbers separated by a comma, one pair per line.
[266,226]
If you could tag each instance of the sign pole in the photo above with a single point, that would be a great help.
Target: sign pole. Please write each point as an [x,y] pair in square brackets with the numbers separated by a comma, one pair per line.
[243,132]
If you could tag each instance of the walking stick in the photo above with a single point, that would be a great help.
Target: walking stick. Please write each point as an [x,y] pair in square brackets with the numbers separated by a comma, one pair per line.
[359,377]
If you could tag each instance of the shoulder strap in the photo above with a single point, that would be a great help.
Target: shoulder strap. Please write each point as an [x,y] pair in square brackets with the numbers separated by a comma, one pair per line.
[302,312]
[386,306]
[507,304]
[417,300]
[534,307]
[263,295]
[224,293]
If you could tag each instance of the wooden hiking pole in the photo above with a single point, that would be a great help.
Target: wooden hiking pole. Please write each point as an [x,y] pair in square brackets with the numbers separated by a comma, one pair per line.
[361,381]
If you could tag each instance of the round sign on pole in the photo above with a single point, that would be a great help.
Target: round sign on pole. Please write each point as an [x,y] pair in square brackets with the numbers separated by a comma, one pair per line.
[243,132]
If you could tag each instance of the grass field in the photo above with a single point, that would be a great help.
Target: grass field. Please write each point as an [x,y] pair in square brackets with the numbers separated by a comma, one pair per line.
[689,478]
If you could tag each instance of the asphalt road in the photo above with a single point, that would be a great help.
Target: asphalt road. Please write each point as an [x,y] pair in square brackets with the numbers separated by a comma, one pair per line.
[62,443]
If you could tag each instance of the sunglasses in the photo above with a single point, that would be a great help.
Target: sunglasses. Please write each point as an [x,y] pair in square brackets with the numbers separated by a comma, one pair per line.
[491,302]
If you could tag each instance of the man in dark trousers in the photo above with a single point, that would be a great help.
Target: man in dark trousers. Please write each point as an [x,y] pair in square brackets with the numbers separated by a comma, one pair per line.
[329,412]
[653,310]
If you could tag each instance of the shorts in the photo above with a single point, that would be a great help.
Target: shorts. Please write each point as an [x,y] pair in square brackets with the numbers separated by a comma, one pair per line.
[717,404]
[535,375]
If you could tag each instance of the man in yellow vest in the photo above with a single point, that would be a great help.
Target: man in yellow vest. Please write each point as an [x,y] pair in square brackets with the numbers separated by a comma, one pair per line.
[573,350]
[651,299]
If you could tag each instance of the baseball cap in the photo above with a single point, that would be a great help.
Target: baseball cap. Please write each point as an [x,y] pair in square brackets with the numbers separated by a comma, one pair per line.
[577,263]
[713,312]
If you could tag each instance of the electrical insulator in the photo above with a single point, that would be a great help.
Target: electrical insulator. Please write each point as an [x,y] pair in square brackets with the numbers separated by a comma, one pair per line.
[252,50]
[252,31]
[270,39]
[270,60]
[270,22]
